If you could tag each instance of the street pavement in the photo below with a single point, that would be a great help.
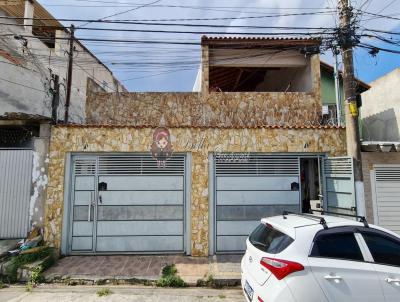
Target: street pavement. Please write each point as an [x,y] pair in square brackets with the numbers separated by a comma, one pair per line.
[52,293]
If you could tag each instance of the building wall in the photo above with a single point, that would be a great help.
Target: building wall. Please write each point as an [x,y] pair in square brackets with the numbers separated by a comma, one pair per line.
[368,160]
[380,112]
[198,141]
[25,75]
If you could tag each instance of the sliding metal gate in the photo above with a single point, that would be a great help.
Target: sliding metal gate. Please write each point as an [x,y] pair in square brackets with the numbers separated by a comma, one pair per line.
[339,185]
[247,189]
[125,203]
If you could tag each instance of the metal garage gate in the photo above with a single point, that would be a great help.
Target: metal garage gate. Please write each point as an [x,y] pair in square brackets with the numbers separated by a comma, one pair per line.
[245,191]
[386,196]
[339,190]
[15,192]
[125,203]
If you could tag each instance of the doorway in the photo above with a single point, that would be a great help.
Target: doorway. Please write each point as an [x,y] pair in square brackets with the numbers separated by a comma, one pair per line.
[310,180]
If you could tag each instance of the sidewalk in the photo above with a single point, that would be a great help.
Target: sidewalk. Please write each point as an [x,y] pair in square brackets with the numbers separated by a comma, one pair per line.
[121,293]
[224,269]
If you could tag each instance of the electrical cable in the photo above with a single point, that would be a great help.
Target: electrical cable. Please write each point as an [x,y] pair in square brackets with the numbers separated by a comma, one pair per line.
[15,83]
[131,21]
[124,12]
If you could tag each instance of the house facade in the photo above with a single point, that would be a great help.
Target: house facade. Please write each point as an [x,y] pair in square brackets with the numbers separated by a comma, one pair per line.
[380,123]
[194,172]
[33,81]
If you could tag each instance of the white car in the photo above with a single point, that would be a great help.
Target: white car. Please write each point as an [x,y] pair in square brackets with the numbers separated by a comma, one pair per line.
[311,258]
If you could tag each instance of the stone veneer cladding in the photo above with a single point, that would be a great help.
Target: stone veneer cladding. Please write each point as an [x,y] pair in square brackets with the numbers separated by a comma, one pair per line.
[198,141]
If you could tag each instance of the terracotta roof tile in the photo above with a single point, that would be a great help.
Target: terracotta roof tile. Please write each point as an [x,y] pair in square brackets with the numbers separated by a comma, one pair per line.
[71,125]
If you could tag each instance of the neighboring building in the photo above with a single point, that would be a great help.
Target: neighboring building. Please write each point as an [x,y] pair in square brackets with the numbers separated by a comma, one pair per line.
[328,92]
[32,57]
[256,149]
[380,121]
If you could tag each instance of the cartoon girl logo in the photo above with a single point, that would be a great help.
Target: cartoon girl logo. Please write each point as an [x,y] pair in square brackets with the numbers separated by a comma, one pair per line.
[161,148]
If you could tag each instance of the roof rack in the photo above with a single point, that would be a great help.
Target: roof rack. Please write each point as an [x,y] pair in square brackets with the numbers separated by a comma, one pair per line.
[362,218]
[321,220]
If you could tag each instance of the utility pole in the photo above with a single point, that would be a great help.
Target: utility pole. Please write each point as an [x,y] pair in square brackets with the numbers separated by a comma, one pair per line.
[346,41]
[338,92]
[56,98]
[70,66]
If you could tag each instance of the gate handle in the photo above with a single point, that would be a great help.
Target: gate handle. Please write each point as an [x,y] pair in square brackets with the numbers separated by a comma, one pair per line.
[90,206]
[100,199]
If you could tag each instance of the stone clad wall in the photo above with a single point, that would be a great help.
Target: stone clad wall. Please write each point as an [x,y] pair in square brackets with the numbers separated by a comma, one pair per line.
[198,141]
[217,109]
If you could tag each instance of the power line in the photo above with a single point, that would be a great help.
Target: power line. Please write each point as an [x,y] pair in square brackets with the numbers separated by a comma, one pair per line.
[390,4]
[376,48]
[130,21]
[229,9]
[126,11]
[190,6]
[198,32]
[379,16]
[179,24]
[45,38]
[15,83]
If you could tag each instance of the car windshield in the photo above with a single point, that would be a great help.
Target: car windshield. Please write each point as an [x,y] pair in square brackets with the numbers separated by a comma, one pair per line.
[269,240]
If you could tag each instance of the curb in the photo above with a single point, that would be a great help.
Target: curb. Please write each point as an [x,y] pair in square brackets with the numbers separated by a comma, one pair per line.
[120,280]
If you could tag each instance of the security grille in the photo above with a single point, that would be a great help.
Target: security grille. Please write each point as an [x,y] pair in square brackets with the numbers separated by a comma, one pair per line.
[140,165]
[388,174]
[85,167]
[255,164]
[339,166]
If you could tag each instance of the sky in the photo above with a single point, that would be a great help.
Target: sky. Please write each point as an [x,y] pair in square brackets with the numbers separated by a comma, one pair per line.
[162,67]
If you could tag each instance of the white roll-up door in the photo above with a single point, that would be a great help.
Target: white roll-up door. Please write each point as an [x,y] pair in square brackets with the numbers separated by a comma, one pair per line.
[386,196]
[15,192]
[247,189]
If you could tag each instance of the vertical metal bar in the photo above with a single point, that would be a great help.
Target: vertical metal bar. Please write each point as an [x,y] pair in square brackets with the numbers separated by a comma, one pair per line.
[95,210]
[300,185]
[374,198]
[320,180]
[211,203]
[187,202]
[66,233]
[90,206]
[324,183]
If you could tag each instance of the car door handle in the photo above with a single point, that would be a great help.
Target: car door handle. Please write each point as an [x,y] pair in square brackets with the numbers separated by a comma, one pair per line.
[394,281]
[335,278]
